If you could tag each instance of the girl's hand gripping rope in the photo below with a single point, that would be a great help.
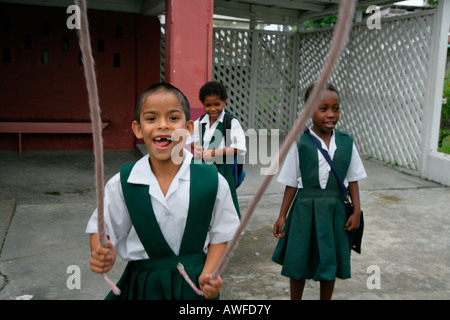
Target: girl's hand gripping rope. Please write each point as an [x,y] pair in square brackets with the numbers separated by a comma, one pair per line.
[102,258]
[209,286]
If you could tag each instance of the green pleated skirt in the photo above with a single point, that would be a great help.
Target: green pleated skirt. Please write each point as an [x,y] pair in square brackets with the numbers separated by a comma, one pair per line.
[159,279]
[315,245]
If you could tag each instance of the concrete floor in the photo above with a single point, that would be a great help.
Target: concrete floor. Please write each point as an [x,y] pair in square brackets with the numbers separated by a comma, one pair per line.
[46,199]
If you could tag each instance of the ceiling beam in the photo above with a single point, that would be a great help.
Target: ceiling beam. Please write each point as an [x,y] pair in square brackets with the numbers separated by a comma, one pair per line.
[329,1]
[133,6]
[286,4]
[247,10]
[333,9]
[153,7]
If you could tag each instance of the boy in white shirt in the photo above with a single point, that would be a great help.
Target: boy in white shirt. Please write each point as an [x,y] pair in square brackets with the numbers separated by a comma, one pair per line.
[159,212]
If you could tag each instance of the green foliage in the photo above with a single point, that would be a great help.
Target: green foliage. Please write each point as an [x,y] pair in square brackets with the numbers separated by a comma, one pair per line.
[445,145]
[444,132]
[445,115]
[432,3]
[320,23]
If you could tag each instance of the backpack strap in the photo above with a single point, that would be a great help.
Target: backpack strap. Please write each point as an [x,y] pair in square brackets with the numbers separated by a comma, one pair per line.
[228,117]
[344,190]
[203,126]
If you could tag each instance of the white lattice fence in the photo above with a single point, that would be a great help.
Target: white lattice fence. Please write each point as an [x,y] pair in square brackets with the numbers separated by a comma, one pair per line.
[382,79]
[231,66]
[258,69]
[274,82]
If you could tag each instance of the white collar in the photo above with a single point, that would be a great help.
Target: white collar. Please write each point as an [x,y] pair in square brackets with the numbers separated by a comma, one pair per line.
[143,174]
[205,119]
[332,140]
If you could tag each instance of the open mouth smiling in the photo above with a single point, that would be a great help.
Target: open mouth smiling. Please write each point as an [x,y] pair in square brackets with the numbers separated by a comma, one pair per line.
[162,142]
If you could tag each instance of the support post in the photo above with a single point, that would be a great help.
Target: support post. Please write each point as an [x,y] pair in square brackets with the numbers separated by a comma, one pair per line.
[434,165]
[188,56]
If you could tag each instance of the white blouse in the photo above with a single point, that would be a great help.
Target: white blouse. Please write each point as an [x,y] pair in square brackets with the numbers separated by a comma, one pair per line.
[237,134]
[290,171]
[170,211]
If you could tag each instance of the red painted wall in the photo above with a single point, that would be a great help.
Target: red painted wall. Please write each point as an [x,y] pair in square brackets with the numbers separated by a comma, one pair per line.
[33,91]
[188,55]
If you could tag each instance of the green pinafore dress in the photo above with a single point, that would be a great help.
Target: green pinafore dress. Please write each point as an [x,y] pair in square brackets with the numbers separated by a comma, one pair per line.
[157,278]
[223,168]
[315,244]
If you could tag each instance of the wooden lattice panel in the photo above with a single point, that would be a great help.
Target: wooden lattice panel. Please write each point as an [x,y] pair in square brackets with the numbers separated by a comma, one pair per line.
[275,76]
[258,69]
[382,78]
[231,66]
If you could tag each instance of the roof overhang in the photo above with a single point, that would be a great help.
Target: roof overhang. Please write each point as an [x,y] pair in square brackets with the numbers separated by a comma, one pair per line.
[258,11]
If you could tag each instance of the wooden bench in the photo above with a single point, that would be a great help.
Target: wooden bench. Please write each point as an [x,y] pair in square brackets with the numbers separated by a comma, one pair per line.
[46,127]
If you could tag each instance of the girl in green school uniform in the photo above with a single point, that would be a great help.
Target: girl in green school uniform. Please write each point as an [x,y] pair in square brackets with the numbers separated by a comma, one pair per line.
[159,212]
[312,227]
[210,134]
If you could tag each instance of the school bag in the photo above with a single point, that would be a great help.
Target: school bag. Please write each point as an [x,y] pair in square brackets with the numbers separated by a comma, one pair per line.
[237,167]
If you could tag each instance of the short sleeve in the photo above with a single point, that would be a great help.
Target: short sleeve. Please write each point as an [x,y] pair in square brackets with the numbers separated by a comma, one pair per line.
[290,170]
[356,169]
